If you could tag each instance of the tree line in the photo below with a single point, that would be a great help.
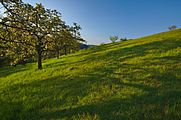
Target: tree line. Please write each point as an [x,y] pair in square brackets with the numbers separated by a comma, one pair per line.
[29,33]
[115,38]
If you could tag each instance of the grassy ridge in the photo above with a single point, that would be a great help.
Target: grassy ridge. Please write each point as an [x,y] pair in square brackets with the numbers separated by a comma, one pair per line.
[136,79]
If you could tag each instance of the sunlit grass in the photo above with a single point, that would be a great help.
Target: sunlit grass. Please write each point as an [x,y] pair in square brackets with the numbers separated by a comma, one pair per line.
[136,79]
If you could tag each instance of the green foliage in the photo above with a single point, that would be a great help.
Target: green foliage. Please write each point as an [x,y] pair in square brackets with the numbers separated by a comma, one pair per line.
[173,27]
[34,31]
[123,39]
[137,79]
[113,39]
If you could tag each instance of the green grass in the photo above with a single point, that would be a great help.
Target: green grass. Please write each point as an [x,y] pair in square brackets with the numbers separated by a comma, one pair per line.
[136,79]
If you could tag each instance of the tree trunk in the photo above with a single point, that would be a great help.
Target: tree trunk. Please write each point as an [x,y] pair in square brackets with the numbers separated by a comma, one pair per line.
[58,53]
[39,51]
[69,50]
[65,50]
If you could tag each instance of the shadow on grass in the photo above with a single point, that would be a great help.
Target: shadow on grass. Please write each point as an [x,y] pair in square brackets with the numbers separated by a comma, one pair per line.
[119,54]
[59,98]
[68,97]
[138,107]
[135,51]
[8,70]
[9,110]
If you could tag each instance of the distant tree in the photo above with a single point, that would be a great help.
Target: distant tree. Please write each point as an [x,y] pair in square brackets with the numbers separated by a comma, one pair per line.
[113,39]
[102,43]
[173,27]
[123,39]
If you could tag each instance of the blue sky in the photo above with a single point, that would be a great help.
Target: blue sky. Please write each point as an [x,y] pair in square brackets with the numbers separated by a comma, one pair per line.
[126,18]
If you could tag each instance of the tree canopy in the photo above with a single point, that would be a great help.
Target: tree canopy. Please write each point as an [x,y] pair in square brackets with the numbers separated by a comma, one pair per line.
[173,27]
[34,32]
[113,38]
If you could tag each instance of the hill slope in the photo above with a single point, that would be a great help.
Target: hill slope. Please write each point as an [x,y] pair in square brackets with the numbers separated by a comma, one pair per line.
[136,79]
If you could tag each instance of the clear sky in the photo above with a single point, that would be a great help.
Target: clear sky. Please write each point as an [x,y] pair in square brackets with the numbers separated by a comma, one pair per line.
[126,18]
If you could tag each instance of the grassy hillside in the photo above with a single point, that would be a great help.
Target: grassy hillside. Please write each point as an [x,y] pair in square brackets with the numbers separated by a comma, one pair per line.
[136,79]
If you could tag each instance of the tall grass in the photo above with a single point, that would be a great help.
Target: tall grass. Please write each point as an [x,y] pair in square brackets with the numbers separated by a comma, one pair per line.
[136,79]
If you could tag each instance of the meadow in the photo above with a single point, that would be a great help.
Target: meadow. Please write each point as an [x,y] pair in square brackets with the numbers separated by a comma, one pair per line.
[136,79]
